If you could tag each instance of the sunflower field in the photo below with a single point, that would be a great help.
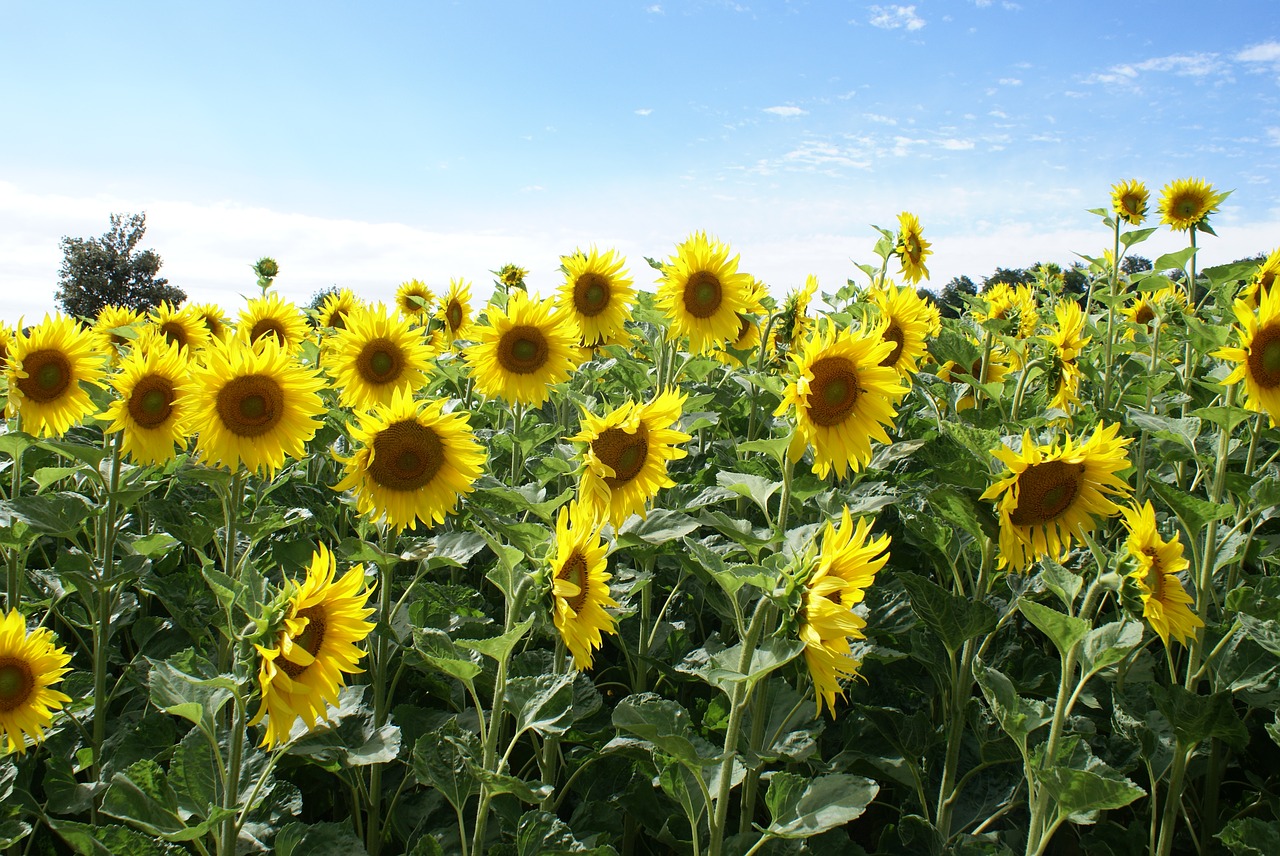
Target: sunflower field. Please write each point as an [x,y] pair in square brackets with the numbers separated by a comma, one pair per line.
[683,570]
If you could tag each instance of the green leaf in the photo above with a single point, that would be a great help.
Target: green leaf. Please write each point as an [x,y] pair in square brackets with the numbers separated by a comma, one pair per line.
[46,476]
[154,545]
[657,528]
[196,699]
[86,840]
[1194,513]
[1251,836]
[1184,431]
[1018,717]
[498,647]
[1061,582]
[665,725]
[444,760]
[541,703]
[1109,644]
[49,513]
[14,443]
[1063,630]
[85,454]
[541,833]
[827,802]
[1136,236]
[349,737]
[13,831]
[318,839]
[755,488]
[527,792]
[955,619]
[441,653]
[141,795]
[721,669]
[193,774]
[774,447]
[1176,260]
[956,508]
[1195,718]
[1079,792]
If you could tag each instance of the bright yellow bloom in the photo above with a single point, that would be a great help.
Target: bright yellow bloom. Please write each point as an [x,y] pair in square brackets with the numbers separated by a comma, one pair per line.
[7,336]
[748,339]
[336,307]
[793,323]
[272,317]
[843,397]
[911,248]
[1063,382]
[1262,280]
[154,406]
[703,295]
[997,369]
[1144,307]
[519,354]
[300,674]
[455,312]
[1258,356]
[414,300]
[596,296]
[580,584]
[1165,604]
[846,566]
[106,330]
[511,276]
[906,322]
[1013,303]
[1068,339]
[1129,201]
[46,369]
[30,664]
[1188,202]
[180,327]
[412,461]
[625,463]
[376,354]
[1048,495]
[214,320]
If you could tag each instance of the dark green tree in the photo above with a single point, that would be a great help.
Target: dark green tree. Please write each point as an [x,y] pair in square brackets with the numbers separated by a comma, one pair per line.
[111,270]
[1135,264]
[950,303]
[1008,276]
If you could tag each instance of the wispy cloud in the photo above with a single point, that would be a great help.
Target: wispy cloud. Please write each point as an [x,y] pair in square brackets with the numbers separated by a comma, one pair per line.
[953,145]
[895,17]
[1010,81]
[883,120]
[786,110]
[1265,52]
[644,111]
[1199,65]
[655,9]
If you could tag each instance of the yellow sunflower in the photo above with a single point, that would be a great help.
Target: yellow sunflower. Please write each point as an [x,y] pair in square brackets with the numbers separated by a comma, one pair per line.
[1165,604]
[414,300]
[703,294]
[793,323]
[1258,355]
[6,344]
[154,404]
[300,674]
[1188,202]
[1144,307]
[1262,280]
[625,463]
[596,296]
[1129,201]
[748,339]
[254,405]
[46,369]
[911,248]
[997,370]
[108,327]
[520,353]
[180,326]
[906,322]
[846,566]
[30,664]
[375,355]
[336,307]
[272,317]
[1068,339]
[412,461]
[1048,495]
[214,320]
[1013,303]
[1062,380]
[511,276]
[454,313]
[580,584]
[843,397]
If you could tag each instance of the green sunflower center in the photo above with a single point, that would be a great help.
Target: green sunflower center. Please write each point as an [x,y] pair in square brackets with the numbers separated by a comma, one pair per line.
[574,570]
[1188,207]
[17,683]
[523,349]
[380,361]
[151,401]
[1264,356]
[309,640]
[833,392]
[624,453]
[1046,491]
[251,405]
[703,294]
[591,294]
[338,319]
[48,375]
[893,333]
[406,456]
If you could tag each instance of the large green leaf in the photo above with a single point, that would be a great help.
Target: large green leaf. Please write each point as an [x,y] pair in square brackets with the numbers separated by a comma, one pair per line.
[1018,717]
[142,797]
[541,703]
[498,647]
[1192,511]
[197,699]
[1109,644]
[721,669]
[824,803]
[665,725]
[444,760]
[541,833]
[1080,792]
[1065,631]
[1251,836]
[1195,718]
[955,619]
[318,839]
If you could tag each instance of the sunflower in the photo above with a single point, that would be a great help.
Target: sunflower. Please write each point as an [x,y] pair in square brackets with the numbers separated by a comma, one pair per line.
[1262,280]
[154,404]
[1144,307]
[336,307]
[213,318]
[625,463]
[107,329]
[580,583]
[46,369]
[272,317]
[846,566]
[180,326]
[30,664]
[748,327]
[1062,381]
[1258,355]
[302,672]
[1048,496]
[843,397]
[596,296]
[520,353]
[375,355]
[906,322]
[6,344]
[1165,604]
[911,248]
[413,461]
[454,313]
[1188,202]
[414,300]
[511,276]
[1129,201]
[1013,303]
[254,405]
[703,294]
[793,323]
[997,369]
[1068,339]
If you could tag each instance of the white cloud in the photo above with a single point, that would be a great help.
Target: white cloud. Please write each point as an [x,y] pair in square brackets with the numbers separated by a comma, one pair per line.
[1199,65]
[893,17]
[1265,52]
[1273,135]
[953,145]
[1010,81]
[532,188]
[883,120]
[644,111]
[999,114]
[813,154]
[786,111]
[655,9]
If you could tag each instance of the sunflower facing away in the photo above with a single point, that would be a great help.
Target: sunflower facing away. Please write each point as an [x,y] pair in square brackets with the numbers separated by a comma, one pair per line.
[1048,495]
[1165,604]
[254,405]
[46,369]
[180,326]
[1062,383]
[1068,338]
[414,300]
[911,248]
[1188,202]
[703,294]
[793,324]
[115,330]
[997,369]
[154,403]
[1129,201]
[412,461]
[454,312]
[843,397]
[375,355]
[596,296]
[580,584]
[336,307]
[520,353]
[30,664]
[846,566]
[625,463]
[272,317]
[1142,310]
[905,322]
[1262,280]
[1258,356]
[300,674]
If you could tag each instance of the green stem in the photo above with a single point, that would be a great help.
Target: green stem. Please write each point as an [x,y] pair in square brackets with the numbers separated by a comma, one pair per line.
[1040,800]
[231,793]
[755,388]
[1112,282]
[1169,816]
[106,602]
[1142,443]
[14,581]
[381,660]
[1020,389]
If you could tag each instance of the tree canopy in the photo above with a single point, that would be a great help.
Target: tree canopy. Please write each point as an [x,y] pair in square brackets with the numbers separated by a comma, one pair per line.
[111,270]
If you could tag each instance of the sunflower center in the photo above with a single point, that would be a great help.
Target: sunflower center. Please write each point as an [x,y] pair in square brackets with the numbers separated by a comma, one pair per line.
[380,361]
[268,327]
[151,401]
[251,405]
[309,640]
[48,375]
[834,391]
[1264,357]
[17,683]
[1155,576]
[1145,315]
[1187,208]
[175,334]
[4,355]
[976,370]
[893,333]
[454,315]
[406,456]
[1130,203]
[1045,491]
[338,319]
[523,350]
[574,570]
[702,294]
[912,249]
[591,294]
[624,453]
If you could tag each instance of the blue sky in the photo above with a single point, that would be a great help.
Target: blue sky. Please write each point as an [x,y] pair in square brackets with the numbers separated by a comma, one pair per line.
[365,144]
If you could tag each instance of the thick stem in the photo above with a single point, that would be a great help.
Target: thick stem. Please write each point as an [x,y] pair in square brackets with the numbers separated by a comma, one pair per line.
[14,581]
[1112,282]
[231,793]
[1172,800]
[381,657]
[1142,443]
[106,602]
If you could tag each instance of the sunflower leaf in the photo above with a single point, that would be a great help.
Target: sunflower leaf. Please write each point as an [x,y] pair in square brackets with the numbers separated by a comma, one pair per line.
[318,839]
[1195,718]
[498,647]
[826,802]
[1194,513]
[1018,717]
[1251,836]
[955,619]
[666,726]
[1064,631]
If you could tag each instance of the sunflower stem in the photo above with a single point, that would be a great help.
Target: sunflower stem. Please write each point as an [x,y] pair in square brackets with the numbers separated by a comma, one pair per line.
[1187,366]
[755,387]
[381,660]
[982,370]
[14,581]
[231,793]
[1113,280]
[106,602]
[1142,442]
